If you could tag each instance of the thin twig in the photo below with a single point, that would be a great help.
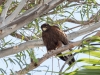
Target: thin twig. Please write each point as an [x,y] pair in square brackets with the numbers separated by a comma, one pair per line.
[72,28]
[58,64]
[60,72]
[52,67]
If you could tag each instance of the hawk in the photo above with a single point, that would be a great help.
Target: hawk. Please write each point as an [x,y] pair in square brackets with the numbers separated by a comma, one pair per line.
[54,38]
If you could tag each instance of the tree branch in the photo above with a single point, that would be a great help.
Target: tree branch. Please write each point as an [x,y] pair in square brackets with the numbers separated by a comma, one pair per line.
[4,12]
[36,12]
[91,28]
[93,18]
[20,47]
[27,38]
[19,36]
[33,65]
[75,21]
[37,43]
[2,1]
[15,12]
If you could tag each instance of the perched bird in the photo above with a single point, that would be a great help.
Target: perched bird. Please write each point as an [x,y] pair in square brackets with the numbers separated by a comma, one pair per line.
[54,38]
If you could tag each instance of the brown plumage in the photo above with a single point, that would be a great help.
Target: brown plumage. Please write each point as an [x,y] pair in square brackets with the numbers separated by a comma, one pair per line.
[53,38]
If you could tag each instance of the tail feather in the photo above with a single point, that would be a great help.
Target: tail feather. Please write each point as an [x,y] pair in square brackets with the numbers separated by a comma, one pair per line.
[65,58]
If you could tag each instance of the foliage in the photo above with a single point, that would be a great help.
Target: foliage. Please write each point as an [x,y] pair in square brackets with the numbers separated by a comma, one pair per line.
[93,62]
[70,16]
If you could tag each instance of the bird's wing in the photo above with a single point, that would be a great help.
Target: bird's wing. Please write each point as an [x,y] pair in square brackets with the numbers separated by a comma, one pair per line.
[61,35]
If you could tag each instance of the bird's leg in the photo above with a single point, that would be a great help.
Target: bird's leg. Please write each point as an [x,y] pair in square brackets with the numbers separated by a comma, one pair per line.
[48,51]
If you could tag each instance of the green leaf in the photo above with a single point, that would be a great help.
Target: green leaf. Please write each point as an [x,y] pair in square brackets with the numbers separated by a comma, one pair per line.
[6,62]
[3,71]
[11,60]
[32,55]
[18,63]
[12,73]
[94,53]
[89,61]
[85,72]
[91,67]
[1,9]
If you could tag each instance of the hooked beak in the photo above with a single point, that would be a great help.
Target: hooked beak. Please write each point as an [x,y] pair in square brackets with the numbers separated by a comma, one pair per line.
[44,29]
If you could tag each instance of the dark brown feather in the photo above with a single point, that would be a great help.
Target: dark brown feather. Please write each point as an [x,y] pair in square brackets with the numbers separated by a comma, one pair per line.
[53,38]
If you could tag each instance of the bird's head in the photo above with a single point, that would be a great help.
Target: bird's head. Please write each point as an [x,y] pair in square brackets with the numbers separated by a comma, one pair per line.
[45,27]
